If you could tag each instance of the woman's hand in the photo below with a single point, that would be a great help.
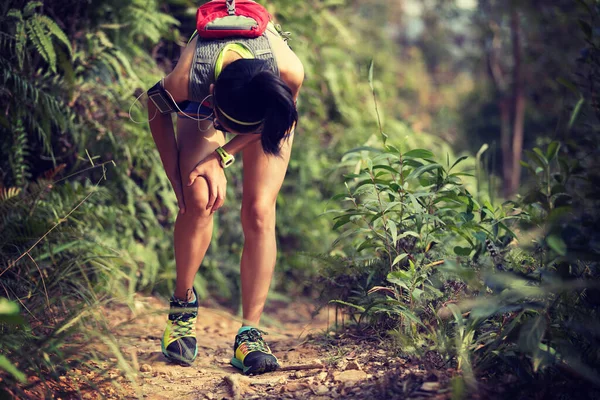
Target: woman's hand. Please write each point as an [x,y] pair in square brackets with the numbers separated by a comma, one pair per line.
[211,170]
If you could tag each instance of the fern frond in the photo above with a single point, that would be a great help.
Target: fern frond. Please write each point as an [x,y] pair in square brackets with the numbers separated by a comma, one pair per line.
[31,6]
[55,30]
[16,157]
[15,13]
[103,39]
[51,173]
[41,42]
[127,66]
[8,193]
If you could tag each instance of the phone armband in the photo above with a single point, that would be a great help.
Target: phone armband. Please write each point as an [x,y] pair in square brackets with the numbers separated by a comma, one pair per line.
[161,99]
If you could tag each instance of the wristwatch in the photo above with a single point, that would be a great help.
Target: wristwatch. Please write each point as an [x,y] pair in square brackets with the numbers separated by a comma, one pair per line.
[225,158]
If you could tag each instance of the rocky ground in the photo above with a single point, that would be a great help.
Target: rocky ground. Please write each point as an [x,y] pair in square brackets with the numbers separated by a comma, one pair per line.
[316,362]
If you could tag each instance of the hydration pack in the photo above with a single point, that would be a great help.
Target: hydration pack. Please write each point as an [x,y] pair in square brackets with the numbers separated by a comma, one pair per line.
[219,19]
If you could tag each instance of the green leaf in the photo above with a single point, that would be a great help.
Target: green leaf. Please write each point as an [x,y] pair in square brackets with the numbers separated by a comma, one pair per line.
[31,6]
[359,308]
[14,13]
[9,367]
[399,258]
[363,148]
[391,225]
[41,41]
[343,220]
[385,167]
[531,335]
[542,156]
[557,244]
[55,30]
[569,85]
[365,245]
[460,159]
[419,153]
[400,278]
[575,112]
[462,251]
[8,307]
[417,172]
[535,157]
[552,150]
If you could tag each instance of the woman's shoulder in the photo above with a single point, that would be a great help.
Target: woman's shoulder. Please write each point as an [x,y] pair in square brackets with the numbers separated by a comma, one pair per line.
[177,80]
[290,67]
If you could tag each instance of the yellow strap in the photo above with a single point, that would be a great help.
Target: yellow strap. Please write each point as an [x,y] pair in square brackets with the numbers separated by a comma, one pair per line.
[237,121]
[239,48]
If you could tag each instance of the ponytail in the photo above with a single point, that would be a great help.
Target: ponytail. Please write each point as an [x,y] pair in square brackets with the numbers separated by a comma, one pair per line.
[250,98]
[280,113]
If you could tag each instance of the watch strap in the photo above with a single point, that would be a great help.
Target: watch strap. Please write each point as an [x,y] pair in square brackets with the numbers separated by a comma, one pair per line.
[225,158]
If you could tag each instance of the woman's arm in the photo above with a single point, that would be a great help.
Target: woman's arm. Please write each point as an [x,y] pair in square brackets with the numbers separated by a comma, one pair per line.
[161,126]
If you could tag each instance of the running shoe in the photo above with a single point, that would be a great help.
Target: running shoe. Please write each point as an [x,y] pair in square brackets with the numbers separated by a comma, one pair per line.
[251,354]
[179,340]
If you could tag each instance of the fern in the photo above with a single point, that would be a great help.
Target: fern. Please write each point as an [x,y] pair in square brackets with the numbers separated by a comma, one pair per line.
[41,41]
[55,30]
[31,6]
[16,158]
[9,193]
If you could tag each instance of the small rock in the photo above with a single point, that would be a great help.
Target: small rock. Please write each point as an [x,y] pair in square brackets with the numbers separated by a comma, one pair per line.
[352,375]
[294,386]
[145,368]
[430,386]
[225,360]
[353,365]
[320,390]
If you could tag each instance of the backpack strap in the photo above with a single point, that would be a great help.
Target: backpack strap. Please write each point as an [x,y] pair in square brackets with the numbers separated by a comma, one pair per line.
[230,6]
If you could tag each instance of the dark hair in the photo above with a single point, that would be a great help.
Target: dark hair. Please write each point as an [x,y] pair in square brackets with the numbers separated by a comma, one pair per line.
[248,91]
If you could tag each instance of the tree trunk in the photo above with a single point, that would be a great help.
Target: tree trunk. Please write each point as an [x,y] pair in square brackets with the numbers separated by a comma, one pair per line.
[519,106]
[505,143]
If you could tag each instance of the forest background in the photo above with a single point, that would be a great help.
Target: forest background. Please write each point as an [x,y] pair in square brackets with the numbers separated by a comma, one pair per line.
[475,121]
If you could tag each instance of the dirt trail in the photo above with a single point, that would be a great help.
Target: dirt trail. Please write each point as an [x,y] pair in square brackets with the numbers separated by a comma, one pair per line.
[351,368]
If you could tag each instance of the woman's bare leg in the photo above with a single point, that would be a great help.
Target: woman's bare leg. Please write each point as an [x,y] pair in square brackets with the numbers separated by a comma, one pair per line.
[263,177]
[193,230]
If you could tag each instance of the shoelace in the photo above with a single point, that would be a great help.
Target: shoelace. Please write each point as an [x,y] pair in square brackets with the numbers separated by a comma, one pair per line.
[254,340]
[183,327]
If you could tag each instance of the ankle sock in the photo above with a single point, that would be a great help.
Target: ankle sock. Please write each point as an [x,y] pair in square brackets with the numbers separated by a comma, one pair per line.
[192,299]
[244,329]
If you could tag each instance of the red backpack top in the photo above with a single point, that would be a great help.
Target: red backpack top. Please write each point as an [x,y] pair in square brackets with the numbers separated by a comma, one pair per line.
[226,18]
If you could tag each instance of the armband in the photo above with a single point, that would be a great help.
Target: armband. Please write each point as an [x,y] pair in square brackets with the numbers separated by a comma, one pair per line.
[161,99]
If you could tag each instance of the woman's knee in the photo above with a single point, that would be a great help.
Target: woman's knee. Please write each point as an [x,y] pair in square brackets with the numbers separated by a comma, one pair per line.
[196,199]
[258,217]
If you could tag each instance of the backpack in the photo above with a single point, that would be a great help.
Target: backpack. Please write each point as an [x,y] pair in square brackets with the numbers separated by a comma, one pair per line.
[219,19]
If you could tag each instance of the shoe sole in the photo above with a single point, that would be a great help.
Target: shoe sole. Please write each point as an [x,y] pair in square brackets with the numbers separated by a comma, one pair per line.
[263,366]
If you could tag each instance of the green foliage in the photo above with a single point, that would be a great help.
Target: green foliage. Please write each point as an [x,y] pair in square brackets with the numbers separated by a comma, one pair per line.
[516,288]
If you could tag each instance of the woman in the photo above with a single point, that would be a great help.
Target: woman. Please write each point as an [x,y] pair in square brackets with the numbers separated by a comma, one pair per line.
[247,87]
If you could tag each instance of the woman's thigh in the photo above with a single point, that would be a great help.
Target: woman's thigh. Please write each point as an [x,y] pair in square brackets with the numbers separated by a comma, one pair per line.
[263,176]
[194,145]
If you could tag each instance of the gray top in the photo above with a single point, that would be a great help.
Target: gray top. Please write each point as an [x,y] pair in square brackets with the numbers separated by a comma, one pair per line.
[202,71]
